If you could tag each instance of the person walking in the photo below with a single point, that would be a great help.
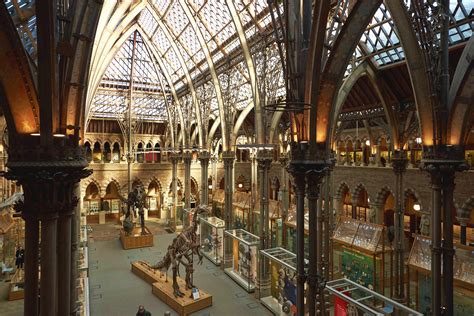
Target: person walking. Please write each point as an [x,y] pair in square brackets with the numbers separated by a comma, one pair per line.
[142,311]
[20,257]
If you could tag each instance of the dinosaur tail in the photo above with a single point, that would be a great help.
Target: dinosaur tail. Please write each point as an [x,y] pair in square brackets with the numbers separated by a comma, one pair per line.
[163,263]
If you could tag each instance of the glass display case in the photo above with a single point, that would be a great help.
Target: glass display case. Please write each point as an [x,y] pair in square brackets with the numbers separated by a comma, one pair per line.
[241,204]
[176,221]
[276,223]
[7,240]
[280,299]
[212,234]
[419,265]
[240,259]
[360,254]
[187,217]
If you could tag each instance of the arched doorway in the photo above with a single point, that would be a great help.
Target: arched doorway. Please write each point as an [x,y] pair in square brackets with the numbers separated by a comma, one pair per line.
[92,199]
[157,153]
[149,155]
[140,156]
[153,202]
[116,152]
[412,214]
[361,200]
[112,197]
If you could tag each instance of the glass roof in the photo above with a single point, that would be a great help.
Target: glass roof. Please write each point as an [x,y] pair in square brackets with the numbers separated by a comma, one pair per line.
[133,60]
[165,24]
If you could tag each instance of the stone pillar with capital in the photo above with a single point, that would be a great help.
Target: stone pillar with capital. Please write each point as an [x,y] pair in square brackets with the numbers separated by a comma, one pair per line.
[204,158]
[48,177]
[229,158]
[175,158]
[187,158]
[464,217]
[285,198]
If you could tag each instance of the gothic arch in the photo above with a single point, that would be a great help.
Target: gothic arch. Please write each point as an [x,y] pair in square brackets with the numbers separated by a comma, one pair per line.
[342,189]
[410,191]
[116,183]
[357,190]
[383,194]
[87,182]
[151,180]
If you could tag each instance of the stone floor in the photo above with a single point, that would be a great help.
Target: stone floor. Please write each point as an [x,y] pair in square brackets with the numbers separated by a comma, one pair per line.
[115,290]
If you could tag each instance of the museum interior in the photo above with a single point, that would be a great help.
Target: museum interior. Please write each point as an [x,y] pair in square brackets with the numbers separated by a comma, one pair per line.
[236,157]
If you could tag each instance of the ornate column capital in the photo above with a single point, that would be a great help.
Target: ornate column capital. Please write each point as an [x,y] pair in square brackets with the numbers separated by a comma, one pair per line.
[264,159]
[228,157]
[399,162]
[187,156]
[175,157]
[204,155]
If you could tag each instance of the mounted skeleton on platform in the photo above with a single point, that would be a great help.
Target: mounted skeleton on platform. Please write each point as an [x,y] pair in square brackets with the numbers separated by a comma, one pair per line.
[181,251]
[135,199]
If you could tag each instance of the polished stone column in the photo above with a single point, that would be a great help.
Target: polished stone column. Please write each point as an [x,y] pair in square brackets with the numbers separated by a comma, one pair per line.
[399,164]
[31,303]
[75,243]
[204,157]
[378,163]
[285,199]
[187,158]
[448,249]
[49,261]
[229,159]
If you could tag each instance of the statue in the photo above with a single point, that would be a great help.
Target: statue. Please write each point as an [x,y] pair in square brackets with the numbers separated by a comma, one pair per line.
[181,251]
[425,225]
[136,199]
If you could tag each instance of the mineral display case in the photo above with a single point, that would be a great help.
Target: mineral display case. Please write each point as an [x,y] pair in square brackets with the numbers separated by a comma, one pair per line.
[276,222]
[289,231]
[360,254]
[419,265]
[212,234]
[218,203]
[241,205]
[240,259]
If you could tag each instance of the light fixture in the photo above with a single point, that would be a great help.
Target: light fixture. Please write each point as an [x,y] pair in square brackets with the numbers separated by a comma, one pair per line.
[367,142]
[416,207]
[178,188]
[368,200]
[418,140]
[59,135]
[240,185]
[210,186]
[35,134]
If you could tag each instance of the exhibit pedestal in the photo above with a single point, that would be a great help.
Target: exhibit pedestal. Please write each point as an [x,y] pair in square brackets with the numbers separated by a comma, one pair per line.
[163,289]
[136,239]
[101,217]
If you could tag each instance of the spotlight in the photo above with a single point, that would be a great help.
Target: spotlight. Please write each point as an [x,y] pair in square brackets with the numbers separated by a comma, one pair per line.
[416,207]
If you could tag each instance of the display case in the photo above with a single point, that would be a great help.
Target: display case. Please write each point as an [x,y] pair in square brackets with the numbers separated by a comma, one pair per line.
[240,259]
[7,239]
[276,222]
[280,299]
[241,205]
[212,234]
[187,217]
[419,265]
[360,254]
[176,221]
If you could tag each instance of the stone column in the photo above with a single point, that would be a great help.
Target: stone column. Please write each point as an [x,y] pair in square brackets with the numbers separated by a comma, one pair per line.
[365,156]
[348,157]
[174,184]
[254,191]
[399,164]
[187,157]
[64,261]
[204,157]
[31,306]
[229,159]
[448,249]
[264,160]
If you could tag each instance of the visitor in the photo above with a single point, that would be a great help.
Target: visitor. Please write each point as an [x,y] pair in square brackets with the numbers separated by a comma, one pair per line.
[142,311]
[20,257]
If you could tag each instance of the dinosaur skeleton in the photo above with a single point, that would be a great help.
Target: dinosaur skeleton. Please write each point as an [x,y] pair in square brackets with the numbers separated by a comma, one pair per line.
[181,251]
[135,199]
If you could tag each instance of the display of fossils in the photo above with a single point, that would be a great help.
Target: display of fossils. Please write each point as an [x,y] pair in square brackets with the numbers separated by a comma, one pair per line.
[181,251]
[136,199]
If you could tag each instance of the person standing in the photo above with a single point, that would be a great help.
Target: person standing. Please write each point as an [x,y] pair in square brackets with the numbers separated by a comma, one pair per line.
[142,311]
[20,257]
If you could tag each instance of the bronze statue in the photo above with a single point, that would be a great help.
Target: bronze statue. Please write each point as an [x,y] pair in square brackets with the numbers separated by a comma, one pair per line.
[181,251]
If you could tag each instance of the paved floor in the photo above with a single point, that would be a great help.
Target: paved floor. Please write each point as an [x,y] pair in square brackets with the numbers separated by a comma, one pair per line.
[115,290]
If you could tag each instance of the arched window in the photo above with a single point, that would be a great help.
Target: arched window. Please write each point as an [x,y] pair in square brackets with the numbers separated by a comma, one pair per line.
[116,152]
[140,156]
[87,147]
[107,152]
[97,153]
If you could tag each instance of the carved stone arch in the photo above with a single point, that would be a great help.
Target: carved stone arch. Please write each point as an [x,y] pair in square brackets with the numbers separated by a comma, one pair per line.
[196,185]
[88,140]
[357,190]
[137,182]
[117,184]
[275,180]
[87,182]
[411,191]
[155,180]
[382,195]
[179,184]
[342,189]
